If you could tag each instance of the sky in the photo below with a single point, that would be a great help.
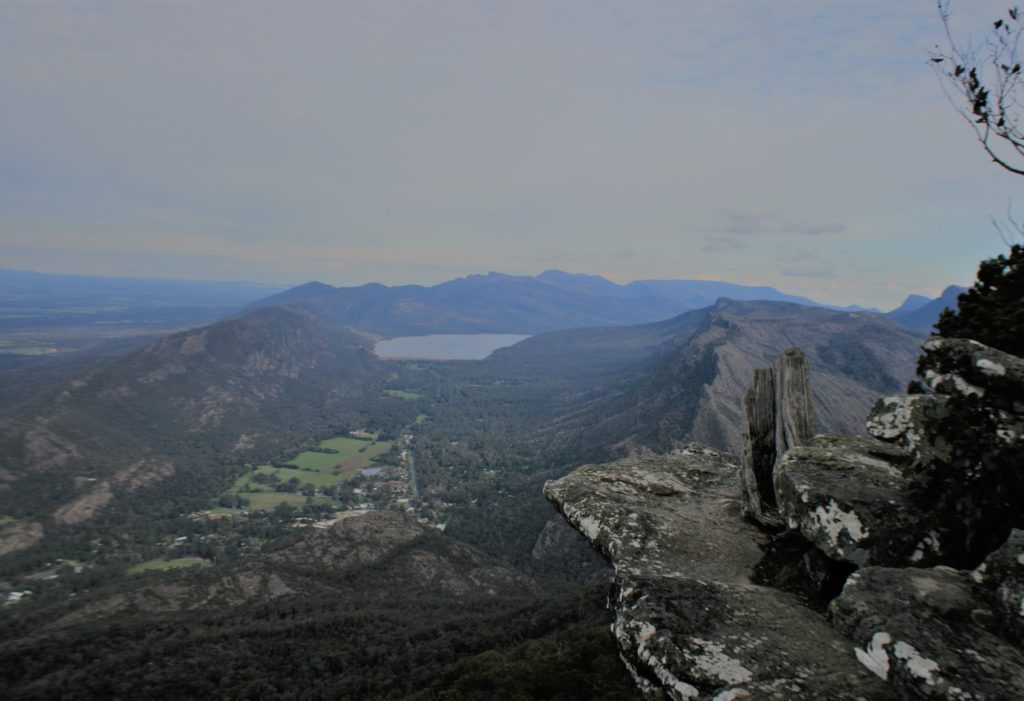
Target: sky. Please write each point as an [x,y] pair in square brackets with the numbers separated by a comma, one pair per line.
[803,144]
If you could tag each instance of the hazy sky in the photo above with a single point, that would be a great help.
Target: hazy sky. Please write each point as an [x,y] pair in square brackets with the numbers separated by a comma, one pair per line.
[804,144]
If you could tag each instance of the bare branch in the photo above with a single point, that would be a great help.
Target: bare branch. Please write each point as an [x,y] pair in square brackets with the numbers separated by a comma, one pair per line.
[986,86]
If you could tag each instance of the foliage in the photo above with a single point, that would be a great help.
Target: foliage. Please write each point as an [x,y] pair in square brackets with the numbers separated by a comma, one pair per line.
[316,647]
[992,311]
[971,484]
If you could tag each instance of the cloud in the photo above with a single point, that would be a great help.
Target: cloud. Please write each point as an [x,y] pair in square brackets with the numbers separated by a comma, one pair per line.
[715,243]
[816,271]
[411,141]
[742,223]
[813,228]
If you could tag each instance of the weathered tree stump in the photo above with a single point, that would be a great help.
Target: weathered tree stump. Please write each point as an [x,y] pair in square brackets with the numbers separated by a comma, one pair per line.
[779,416]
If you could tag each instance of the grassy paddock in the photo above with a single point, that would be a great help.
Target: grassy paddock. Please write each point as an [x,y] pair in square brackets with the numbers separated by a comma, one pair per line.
[322,470]
[348,449]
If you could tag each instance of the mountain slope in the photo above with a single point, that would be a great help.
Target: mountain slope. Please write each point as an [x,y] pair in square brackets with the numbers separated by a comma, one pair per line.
[692,389]
[182,413]
[590,352]
[361,555]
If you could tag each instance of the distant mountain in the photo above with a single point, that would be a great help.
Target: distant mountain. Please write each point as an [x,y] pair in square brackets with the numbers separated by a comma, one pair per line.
[309,290]
[922,317]
[911,303]
[684,379]
[497,302]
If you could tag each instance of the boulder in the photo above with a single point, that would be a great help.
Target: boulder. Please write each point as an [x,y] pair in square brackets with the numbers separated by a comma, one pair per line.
[1001,575]
[905,420]
[689,618]
[929,633]
[779,416]
[966,440]
[959,366]
[848,495]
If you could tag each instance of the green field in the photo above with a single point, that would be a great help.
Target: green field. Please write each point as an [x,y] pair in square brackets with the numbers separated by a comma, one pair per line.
[402,394]
[420,418]
[168,564]
[322,470]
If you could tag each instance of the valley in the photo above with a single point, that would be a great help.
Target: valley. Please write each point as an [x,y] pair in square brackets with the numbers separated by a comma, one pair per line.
[224,463]
[474,351]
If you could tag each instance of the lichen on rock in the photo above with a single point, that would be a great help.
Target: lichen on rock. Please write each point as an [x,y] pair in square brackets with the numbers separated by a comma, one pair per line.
[688,618]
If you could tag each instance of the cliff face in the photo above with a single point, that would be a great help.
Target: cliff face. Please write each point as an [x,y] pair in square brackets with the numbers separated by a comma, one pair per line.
[709,605]
[693,390]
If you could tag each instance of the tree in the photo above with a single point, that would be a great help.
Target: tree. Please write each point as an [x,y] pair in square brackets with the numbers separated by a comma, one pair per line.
[986,86]
[992,312]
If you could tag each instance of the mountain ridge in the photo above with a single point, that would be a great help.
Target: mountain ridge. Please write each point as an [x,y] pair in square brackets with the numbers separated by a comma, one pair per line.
[498,302]
[690,385]
[922,318]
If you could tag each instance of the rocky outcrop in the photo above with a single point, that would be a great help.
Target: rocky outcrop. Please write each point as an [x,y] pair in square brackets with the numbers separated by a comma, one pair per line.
[962,366]
[965,443]
[937,483]
[561,546]
[689,619]
[19,535]
[849,496]
[1002,578]
[779,416]
[930,633]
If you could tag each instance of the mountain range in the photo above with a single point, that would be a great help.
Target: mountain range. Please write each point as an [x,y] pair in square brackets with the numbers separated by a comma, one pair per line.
[514,304]
[919,313]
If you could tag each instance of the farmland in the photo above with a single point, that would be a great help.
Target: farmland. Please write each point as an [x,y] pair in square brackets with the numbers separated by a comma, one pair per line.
[335,460]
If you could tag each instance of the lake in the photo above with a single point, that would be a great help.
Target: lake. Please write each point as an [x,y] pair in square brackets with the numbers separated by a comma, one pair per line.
[450,346]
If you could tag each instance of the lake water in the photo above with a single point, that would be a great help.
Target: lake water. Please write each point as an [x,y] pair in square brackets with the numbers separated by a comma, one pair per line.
[452,346]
